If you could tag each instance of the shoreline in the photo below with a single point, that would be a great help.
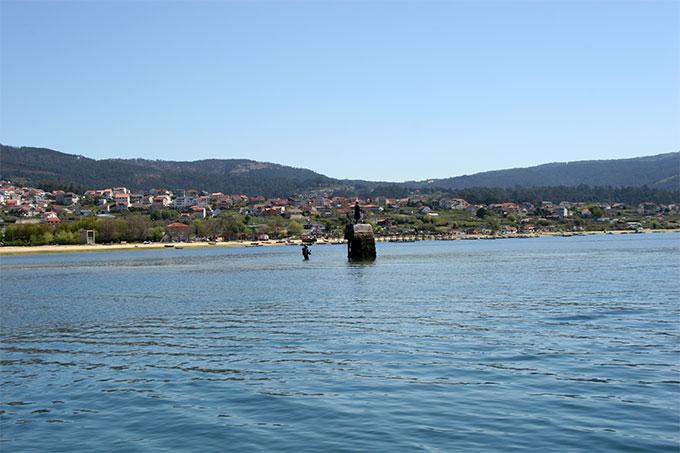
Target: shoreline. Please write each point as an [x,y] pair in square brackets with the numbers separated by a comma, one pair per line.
[43,249]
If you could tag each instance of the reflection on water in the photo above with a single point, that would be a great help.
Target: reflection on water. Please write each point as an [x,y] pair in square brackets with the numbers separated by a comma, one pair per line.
[549,344]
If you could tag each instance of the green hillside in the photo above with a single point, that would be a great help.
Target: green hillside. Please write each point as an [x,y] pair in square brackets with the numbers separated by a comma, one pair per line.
[40,166]
[661,172]
[37,166]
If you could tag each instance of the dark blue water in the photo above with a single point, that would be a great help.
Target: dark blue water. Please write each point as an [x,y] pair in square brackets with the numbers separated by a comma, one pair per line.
[549,344]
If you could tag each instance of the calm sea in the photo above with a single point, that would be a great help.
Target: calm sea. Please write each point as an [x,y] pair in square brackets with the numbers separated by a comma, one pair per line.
[549,344]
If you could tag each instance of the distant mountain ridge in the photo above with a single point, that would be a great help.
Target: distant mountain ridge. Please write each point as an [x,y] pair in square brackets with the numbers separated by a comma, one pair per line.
[45,166]
[661,172]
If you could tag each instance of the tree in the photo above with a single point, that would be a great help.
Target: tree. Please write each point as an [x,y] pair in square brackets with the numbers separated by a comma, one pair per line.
[122,229]
[595,210]
[156,233]
[198,227]
[166,214]
[213,227]
[493,223]
[138,227]
[232,226]
[483,212]
[41,238]
[106,230]
[89,223]
[295,228]
[65,237]
[275,226]
[25,231]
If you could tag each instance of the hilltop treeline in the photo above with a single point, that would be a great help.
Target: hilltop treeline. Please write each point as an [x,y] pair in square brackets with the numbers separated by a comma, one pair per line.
[75,188]
[581,193]
[660,171]
[555,194]
[41,167]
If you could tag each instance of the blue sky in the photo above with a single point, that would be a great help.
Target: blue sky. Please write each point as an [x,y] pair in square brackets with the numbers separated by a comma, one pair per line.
[388,91]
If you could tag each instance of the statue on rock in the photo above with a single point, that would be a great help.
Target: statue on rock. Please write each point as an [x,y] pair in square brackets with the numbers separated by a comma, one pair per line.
[360,239]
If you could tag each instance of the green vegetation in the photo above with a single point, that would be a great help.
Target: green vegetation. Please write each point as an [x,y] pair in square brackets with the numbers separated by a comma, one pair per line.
[645,179]
[659,172]
[413,208]
[557,194]
[51,170]
[139,227]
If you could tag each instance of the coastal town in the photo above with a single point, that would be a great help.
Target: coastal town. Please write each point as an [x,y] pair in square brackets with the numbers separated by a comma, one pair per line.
[33,216]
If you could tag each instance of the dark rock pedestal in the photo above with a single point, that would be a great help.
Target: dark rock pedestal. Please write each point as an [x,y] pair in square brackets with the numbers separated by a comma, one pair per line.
[360,241]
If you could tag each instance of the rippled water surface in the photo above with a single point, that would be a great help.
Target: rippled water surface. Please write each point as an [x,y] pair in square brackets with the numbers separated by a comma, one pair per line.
[549,344]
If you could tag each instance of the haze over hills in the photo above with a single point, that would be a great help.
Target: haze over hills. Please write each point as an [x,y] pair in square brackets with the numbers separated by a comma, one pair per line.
[36,166]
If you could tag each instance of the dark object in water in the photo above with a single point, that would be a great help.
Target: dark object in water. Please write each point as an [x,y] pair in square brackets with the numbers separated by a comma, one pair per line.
[360,241]
[306,252]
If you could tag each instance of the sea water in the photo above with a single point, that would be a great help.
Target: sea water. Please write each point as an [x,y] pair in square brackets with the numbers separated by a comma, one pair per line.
[548,344]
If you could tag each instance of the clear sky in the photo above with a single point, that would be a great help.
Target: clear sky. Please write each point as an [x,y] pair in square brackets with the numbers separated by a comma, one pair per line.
[391,91]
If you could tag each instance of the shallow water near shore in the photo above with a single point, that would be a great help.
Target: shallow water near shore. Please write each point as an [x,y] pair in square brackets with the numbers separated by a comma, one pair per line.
[549,344]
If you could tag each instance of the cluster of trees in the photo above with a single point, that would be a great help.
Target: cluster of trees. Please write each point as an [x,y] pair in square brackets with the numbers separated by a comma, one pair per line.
[557,194]
[364,190]
[535,195]
[138,228]
[44,234]
[78,189]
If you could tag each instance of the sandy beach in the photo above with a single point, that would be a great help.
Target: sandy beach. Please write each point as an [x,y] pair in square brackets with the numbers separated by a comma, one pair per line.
[19,250]
[16,250]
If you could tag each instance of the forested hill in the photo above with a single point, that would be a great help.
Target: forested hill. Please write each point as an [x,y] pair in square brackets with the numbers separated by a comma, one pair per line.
[40,166]
[660,172]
